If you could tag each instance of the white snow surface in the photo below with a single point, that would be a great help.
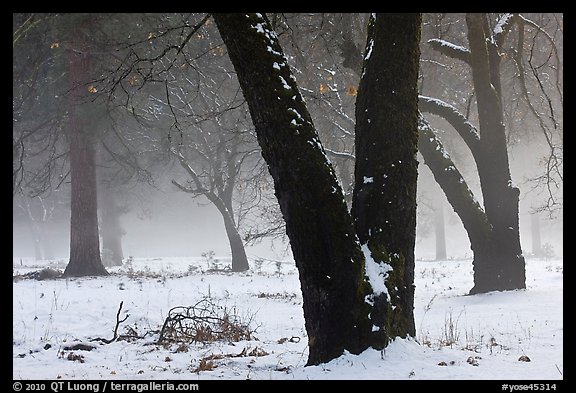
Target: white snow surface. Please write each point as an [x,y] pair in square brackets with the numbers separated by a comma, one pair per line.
[476,337]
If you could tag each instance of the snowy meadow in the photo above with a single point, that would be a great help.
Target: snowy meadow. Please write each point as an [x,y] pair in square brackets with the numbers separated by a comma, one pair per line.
[65,328]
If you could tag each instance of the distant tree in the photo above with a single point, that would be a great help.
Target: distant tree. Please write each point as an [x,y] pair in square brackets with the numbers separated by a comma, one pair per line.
[110,228]
[495,236]
[83,115]
[340,303]
[175,82]
[38,212]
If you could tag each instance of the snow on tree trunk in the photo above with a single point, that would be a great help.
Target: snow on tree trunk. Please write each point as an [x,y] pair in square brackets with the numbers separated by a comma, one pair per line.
[386,169]
[320,229]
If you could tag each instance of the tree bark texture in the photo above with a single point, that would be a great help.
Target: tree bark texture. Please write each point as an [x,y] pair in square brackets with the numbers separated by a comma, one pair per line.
[503,268]
[320,229]
[386,172]
[84,237]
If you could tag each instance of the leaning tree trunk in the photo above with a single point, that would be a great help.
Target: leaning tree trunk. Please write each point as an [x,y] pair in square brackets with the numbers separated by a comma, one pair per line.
[239,259]
[503,267]
[84,238]
[386,168]
[320,229]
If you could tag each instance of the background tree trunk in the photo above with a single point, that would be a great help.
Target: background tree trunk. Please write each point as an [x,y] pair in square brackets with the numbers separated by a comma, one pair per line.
[504,267]
[440,230]
[112,232]
[536,239]
[239,259]
[386,168]
[84,238]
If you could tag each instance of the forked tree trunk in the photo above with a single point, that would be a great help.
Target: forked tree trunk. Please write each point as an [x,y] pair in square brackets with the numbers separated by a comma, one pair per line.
[342,310]
[328,258]
[504,266]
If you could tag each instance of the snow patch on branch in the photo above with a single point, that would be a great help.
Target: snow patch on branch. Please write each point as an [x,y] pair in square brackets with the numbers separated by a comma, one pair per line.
[471,129]
[449,45]
[502,22]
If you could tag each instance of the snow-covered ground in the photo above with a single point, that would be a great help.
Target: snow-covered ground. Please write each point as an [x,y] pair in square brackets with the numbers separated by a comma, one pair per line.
[457,336]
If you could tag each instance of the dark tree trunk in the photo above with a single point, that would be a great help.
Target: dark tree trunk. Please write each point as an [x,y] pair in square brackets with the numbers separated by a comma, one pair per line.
[224,206]
[112,232]
[386,167]
[239,259]
[505,268]
[320,229]
[84,238]
[439,230]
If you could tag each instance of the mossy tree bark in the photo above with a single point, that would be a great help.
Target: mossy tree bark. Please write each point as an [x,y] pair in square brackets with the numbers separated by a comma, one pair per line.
[340,309]
[320,229]
[386,172]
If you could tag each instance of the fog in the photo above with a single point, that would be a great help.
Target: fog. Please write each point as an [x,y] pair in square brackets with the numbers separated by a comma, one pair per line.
[173,224]
[198,119]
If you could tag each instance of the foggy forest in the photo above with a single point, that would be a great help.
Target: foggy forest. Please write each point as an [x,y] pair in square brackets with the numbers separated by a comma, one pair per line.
[287,196]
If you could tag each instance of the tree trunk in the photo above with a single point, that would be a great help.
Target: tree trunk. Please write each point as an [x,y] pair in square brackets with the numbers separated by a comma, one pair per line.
[505,269]
[386,167]
[439,230]
[324,245]
[47,249]
[112,232]
[239,259]
[35,233]
[536,240]
[84,238]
